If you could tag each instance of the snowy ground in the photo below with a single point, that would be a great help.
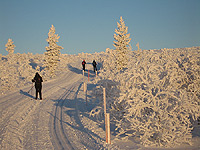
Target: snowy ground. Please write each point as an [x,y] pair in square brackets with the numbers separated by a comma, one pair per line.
[61,120]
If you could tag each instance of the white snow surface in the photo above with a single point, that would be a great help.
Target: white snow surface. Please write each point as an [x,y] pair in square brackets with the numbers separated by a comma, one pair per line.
[62,119]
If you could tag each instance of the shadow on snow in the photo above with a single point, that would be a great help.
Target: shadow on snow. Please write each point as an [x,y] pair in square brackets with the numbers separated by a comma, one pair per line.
[74,113]
[26,94]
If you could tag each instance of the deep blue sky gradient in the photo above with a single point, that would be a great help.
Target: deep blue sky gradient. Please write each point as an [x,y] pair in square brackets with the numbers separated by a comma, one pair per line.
[89,25]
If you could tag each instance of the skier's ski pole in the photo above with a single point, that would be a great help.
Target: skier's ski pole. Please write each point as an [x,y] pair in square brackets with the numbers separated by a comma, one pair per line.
[30,89]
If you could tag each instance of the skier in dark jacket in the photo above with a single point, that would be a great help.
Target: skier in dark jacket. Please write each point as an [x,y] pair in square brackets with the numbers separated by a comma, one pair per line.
[38,85]
[83,64]
[94,65]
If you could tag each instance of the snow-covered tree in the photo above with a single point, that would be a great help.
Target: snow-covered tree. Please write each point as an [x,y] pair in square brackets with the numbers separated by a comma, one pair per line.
[53,51]
[10,46]
[121,44]
[158,96]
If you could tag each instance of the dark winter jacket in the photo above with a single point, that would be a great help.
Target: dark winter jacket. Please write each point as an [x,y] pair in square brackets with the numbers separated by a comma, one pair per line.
[83,63]
[38,80]
[94,63]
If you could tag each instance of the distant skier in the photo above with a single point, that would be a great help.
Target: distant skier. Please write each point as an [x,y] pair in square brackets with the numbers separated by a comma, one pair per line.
[83,64]
[94,65]
[38,85]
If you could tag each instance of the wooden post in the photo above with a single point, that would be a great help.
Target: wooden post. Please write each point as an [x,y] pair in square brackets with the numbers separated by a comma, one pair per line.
[104,98]
[84,87]
[108,127]
[96,73]
[85,91]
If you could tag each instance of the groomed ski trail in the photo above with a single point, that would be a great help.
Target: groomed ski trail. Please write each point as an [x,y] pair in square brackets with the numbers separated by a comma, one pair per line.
[53,123]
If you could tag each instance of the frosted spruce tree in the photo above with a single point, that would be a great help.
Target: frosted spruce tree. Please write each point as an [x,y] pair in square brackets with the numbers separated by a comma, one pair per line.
[53,51]
[10,46]
[121,44]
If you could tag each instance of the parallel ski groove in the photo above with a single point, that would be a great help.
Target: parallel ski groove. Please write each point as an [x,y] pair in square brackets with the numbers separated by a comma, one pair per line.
[59,134]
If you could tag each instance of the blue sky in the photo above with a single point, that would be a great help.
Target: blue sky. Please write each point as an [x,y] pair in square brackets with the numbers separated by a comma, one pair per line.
[88,25]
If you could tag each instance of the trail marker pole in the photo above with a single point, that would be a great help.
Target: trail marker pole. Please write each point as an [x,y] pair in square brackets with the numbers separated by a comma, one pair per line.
[108,127]
[85,91]
[84,87]
[104,98]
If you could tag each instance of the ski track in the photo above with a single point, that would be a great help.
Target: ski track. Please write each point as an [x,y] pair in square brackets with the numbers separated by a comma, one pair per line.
[60,138]
[15,104]
[53,123]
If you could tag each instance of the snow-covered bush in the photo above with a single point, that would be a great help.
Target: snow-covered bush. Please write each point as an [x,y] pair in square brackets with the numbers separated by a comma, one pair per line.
[18,71]
[53,51]
[122,46]
[112,93]
[159,95]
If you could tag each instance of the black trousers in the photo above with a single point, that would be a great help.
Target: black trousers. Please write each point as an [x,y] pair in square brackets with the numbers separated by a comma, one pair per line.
[38,90]
[95,68]
[84,67]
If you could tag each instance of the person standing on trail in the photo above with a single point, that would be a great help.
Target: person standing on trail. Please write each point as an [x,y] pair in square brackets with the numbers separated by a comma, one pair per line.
[38,85]
[83,64]
[94,65]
